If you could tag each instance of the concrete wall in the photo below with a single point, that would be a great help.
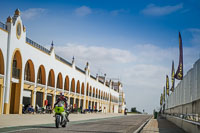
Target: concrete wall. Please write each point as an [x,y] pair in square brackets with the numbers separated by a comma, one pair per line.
[189,108]
[186,97]
[184,124]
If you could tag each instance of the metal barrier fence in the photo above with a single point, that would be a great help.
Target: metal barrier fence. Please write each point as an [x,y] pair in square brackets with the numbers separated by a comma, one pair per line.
[80,70]
[63,60]
[187,90]
[3,26]
[34,44]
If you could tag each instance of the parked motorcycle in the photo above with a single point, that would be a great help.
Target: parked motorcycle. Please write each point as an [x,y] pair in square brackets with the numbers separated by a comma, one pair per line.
[61,116]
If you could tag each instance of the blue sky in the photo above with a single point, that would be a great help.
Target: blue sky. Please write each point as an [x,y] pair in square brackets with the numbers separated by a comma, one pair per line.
[133,40]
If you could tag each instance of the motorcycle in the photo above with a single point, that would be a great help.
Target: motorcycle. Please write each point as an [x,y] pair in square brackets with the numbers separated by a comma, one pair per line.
[61,116]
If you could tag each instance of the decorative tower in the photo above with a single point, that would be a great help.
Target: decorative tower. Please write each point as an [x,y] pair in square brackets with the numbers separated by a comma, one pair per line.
[73,62]
[87,69]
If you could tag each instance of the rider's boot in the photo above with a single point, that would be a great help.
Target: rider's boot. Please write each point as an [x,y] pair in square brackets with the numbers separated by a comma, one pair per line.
[67,119]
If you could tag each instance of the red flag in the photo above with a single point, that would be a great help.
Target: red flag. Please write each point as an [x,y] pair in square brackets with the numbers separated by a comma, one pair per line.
[179,72]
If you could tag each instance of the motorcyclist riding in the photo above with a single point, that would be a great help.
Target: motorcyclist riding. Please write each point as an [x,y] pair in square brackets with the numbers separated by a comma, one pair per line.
[62,102]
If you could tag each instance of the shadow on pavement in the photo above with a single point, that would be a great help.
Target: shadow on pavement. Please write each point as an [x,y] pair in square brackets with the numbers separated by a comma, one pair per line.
[166,126]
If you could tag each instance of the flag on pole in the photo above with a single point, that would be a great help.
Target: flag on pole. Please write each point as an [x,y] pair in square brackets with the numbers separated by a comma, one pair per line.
[167,85]
[164,95]
[172,77]
[179,72]
[161,99]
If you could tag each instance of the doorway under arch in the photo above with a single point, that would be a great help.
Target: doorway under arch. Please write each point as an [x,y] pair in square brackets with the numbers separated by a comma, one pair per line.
[15,91]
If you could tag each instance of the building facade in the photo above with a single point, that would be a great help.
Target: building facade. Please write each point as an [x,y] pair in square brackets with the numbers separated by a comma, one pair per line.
[122,103]
[31,74]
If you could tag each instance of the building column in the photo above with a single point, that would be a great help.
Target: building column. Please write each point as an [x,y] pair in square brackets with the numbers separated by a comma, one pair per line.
[7,74]
[84,100]
[68,100]
[79,103]
[45,95]
[54,96]
[21,92]
[74,102]
[1,98]
[34,97]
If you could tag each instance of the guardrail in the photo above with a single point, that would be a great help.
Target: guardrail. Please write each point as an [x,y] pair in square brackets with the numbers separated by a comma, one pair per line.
[63,60]
[3,26]
[101,82]
[80,70]
[92,77]
[36,45]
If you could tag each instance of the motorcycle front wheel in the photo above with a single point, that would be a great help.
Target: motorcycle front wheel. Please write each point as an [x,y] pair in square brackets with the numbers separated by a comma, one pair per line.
[57,121]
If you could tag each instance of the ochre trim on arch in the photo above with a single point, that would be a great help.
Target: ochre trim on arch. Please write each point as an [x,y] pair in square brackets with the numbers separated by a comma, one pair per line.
[2,63]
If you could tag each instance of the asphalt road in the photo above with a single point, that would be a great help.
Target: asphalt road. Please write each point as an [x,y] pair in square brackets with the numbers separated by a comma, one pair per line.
[124,124]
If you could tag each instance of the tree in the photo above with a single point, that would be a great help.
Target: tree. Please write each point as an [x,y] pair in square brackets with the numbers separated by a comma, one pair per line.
[134,110]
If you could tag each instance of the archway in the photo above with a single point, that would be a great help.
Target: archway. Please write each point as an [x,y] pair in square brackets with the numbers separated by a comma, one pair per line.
[41,76]
[90,92]
[1,79]
[96,93]
[82,88]
[99,94]
[59,81]
[73,85]
[78,87]
[106,96]
[93,92]
[66,83]
[1,63]
[51,78]
[15,91]
[29,75]
[87,90]
[29,71]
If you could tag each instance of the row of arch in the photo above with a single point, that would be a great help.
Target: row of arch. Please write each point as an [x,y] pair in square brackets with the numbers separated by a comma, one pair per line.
[29,75]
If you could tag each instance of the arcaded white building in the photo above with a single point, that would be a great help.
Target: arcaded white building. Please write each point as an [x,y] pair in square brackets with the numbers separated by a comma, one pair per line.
[31,74]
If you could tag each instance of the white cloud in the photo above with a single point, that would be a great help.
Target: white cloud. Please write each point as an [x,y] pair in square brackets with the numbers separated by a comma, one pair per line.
[141,70]
[32,13]
[96,53]
[83,11]
[154,10]
[195,35]
[117,12]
